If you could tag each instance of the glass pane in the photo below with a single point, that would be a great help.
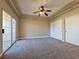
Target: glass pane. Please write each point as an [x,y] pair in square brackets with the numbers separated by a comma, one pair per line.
[13,30]
[7,31]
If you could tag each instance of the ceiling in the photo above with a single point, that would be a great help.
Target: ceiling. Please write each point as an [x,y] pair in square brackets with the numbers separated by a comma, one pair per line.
[27,7]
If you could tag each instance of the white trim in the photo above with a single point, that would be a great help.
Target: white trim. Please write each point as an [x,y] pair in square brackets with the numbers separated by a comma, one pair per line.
[13,5]
[33,37]
[58,39]
[71,6]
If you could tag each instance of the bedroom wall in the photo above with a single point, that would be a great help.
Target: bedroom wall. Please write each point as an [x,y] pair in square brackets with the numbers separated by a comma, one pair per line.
[34,27]
[4,6]
[64,25]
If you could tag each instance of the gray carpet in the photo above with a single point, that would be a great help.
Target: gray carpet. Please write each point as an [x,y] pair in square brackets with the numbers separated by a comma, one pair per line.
[43,48]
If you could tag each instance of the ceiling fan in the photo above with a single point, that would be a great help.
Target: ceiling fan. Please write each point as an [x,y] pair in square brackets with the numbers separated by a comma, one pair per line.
[42,10]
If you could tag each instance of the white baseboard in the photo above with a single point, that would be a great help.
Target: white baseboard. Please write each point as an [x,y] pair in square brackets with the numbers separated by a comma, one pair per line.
[58,39]
[33,37]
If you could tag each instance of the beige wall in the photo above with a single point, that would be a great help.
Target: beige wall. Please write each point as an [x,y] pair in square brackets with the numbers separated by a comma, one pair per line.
[34,26]
[68,14]
[4,6]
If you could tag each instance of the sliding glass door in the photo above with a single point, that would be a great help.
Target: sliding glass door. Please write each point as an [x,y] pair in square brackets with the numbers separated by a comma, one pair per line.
[6,31]
[13,30]
[9,31]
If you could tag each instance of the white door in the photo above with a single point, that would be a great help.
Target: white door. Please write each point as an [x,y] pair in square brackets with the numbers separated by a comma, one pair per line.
[13,30]
[7,31]
[56,29]
[72,29]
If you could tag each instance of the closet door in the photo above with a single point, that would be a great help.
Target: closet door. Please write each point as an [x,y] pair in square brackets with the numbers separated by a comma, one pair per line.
[56,29]
[72,29]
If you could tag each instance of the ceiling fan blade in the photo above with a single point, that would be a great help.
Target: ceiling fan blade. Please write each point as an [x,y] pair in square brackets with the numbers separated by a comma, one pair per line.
[48,11]
[46,14]
[36,12]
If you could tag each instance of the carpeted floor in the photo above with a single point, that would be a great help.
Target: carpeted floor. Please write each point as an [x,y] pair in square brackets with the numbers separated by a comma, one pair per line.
[43,48]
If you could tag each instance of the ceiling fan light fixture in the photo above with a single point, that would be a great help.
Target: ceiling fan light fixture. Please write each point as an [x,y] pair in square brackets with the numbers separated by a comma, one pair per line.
[40,8]
[43,10]
[41,13]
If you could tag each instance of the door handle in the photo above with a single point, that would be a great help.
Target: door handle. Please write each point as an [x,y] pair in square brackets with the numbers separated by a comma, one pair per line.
[3,31]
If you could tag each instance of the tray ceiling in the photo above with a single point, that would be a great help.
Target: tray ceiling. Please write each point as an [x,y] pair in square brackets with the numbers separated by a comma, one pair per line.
[27,7]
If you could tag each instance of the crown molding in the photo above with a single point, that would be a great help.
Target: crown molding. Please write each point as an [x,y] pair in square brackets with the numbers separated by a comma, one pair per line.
[71,6]
[13,7]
